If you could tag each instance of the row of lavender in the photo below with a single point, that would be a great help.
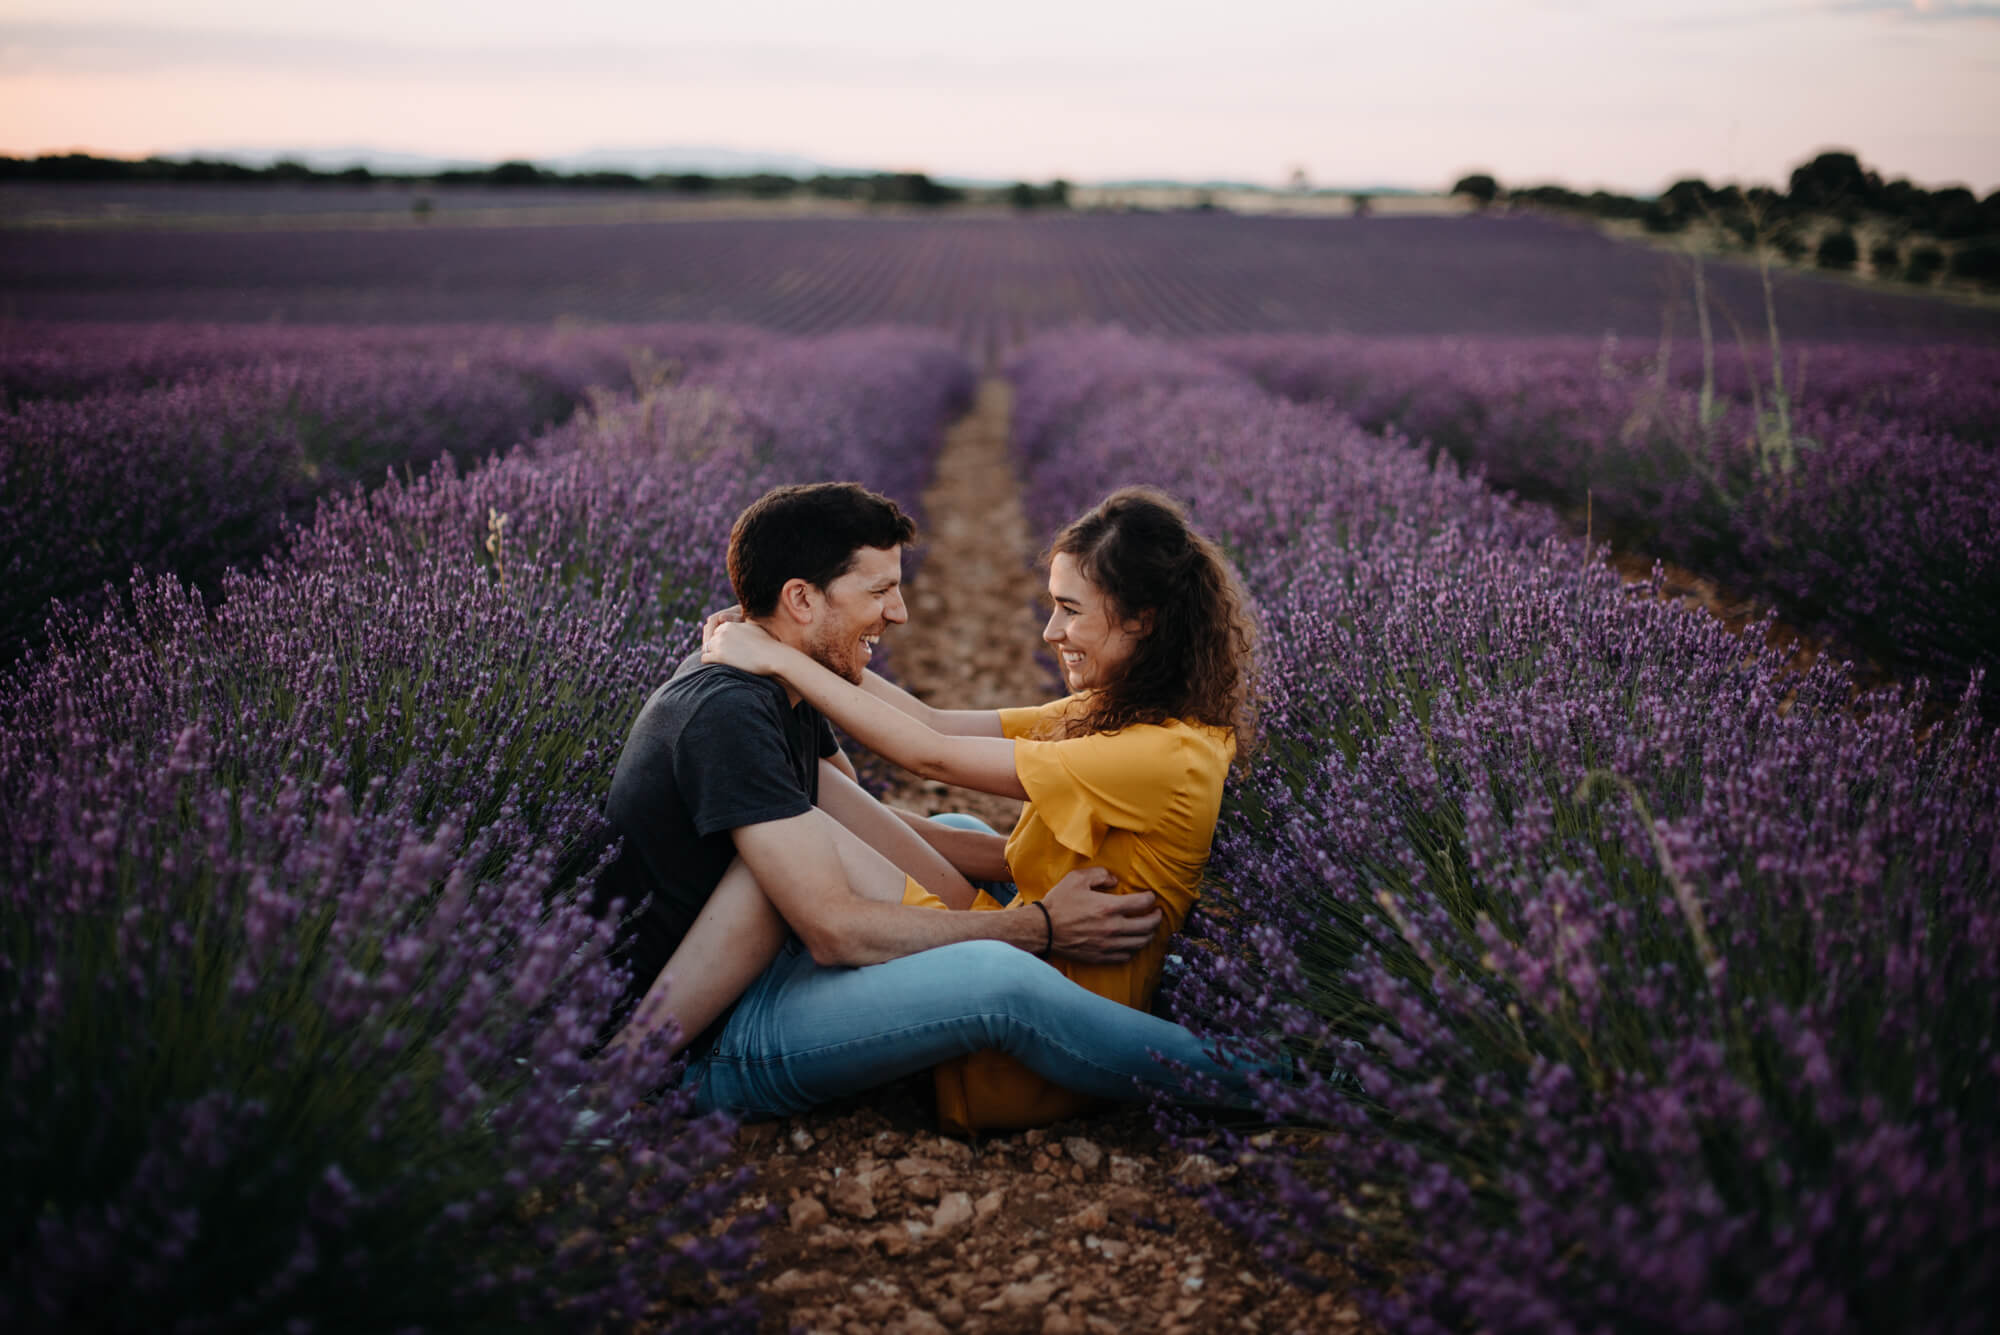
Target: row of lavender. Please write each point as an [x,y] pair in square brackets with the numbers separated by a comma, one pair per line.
[297,973]
[1636,982]
[989,281]
[190,448]
[1856,488]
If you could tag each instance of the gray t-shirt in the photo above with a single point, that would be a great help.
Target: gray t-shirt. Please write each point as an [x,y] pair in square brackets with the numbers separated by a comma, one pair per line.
[713,750]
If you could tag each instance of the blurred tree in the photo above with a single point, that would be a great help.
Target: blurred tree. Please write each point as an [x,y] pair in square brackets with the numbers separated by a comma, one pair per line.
[1480,188]
[603,180]
[1885,258]
[1689,198]
[1979,262]
[1900,199]
[516,172]
[913,188]
[1834,180]
[1925,261]
[1955,213]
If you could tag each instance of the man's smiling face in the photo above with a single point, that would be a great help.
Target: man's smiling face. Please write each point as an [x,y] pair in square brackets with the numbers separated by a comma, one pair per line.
[855,609]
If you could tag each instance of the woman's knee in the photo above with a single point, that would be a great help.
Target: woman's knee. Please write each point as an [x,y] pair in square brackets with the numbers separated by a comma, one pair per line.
[959,820]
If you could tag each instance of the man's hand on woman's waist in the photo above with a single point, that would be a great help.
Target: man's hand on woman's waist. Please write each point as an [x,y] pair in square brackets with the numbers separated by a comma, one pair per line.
[1091,926]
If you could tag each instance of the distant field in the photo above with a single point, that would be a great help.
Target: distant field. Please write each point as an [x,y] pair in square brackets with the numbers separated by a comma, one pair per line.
[23,201]
[990,282]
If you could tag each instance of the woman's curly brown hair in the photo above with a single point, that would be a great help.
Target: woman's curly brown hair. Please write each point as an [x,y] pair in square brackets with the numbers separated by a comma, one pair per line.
[1198,662]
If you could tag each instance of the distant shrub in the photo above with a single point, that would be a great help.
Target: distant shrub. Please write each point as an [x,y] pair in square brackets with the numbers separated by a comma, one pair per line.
[1662,217]
[1837,250]
[1480,188]
[1925,261]
[1954,213]
[1885,257]
[1788,243]
[1979,262]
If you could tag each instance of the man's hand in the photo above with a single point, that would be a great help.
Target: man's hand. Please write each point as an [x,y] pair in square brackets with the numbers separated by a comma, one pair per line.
[1092,927]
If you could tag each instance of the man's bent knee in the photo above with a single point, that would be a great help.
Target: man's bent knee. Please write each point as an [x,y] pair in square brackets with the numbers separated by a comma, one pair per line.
[992,976]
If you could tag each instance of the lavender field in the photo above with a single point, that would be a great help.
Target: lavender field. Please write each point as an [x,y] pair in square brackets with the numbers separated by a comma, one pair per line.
[1636,980]
[297,971]
[1854,487]
[989,283]
[1630,976]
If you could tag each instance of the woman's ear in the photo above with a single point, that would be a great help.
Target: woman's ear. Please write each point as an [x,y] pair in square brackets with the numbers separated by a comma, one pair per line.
[1141,625]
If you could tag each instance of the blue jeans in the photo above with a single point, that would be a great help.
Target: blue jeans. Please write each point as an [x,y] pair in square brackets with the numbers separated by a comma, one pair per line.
[804,1034]
[1002,891]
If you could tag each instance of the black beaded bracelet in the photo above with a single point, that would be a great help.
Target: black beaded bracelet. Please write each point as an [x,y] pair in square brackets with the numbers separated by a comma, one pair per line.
[1049,923]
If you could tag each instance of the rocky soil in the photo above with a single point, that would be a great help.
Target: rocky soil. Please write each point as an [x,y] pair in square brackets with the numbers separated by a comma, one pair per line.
[1085,1228]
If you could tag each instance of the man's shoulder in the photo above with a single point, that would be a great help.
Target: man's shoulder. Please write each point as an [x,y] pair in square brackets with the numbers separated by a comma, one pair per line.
[703,694]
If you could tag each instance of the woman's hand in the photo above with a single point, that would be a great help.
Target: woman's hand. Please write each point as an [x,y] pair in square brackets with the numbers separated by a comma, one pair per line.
[743,645]
[733,612]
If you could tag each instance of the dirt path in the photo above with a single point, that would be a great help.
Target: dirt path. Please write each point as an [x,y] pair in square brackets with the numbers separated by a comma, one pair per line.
[974,637]
[885,1226]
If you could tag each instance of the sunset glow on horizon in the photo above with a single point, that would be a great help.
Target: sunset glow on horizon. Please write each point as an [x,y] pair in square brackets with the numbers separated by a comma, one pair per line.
[1623,96]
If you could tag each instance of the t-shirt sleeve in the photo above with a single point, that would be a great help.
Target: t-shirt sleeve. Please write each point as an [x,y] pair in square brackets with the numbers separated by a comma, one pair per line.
[828,743]
[1084,787]
[1027,720]
[732,766]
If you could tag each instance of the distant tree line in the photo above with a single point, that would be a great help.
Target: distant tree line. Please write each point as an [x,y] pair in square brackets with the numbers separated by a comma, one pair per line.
[1916,233]
[880,188]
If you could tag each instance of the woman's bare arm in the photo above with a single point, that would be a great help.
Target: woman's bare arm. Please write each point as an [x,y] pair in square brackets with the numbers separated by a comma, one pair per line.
[950,722]
[884,830]
[985,764]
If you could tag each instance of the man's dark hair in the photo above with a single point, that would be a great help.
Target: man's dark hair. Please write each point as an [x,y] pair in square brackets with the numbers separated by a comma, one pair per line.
[811,533]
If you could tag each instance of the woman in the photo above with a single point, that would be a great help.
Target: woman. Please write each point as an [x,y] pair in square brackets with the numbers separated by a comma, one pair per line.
[1154,638]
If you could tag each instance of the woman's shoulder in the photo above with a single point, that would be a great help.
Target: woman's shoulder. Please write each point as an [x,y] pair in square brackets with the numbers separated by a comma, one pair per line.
[1200,745]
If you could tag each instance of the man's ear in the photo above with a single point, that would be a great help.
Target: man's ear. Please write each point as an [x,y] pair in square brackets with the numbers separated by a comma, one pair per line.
[798,601]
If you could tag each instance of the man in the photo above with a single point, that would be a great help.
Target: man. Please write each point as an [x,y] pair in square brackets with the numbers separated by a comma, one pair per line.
[743,828]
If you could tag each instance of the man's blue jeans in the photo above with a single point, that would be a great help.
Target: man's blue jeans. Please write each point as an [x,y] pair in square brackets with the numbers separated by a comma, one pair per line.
[804,1034]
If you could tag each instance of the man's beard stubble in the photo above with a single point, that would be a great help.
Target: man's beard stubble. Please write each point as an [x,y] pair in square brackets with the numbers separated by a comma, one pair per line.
[823,651]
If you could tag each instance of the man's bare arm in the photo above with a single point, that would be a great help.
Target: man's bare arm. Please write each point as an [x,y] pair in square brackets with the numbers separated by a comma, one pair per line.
[844,900]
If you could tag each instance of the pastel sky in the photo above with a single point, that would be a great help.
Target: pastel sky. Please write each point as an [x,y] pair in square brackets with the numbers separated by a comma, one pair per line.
[1629,94]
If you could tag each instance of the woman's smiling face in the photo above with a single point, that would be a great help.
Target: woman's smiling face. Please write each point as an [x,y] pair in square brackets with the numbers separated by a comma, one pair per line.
[1090,641]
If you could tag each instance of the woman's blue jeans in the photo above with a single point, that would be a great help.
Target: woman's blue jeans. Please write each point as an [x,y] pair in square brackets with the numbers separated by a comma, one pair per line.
[804,1034]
